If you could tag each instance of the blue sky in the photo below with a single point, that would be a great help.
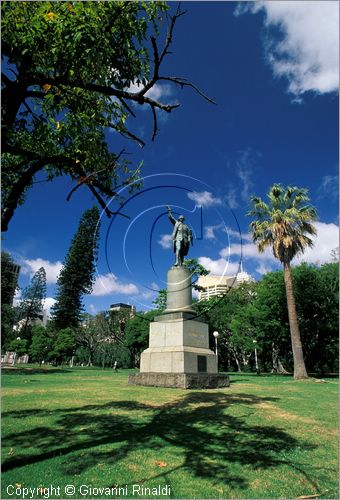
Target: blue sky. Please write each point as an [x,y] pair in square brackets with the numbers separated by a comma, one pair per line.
[272,68]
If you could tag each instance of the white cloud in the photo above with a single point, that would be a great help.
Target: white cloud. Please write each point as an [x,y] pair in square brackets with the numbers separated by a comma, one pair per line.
[232,233]
[326,240]
[156,93]
[329,187]
[249,250]
[106,284]
[154,286]
[148,294]
[48,303]
[219,267]
[204,198]
[52,268]
[263,268]
[243,166]
[17,297]
[93,309]
[209,231]
[231,198]
[306,52]
[165,241]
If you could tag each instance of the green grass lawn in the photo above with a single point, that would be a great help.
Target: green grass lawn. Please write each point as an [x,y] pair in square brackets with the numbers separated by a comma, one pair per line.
[263,437]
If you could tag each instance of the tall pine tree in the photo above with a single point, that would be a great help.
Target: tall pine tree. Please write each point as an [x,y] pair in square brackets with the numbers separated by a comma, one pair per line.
[77,276]
[31,305]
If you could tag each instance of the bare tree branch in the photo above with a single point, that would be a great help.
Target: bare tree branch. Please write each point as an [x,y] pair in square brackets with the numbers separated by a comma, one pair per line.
[127,107]
[155,128]
[184,83]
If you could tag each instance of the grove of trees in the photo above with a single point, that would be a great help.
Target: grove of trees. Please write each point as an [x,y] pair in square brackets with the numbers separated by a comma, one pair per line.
[251,315]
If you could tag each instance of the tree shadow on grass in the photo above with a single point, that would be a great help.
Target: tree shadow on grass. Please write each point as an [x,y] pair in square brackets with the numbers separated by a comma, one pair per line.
[199,425]
[33,371]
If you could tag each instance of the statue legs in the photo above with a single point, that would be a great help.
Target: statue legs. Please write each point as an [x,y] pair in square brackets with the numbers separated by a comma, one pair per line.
[179,256]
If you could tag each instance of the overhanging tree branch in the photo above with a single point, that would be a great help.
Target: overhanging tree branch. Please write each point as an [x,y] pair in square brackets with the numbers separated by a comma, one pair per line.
[79,97]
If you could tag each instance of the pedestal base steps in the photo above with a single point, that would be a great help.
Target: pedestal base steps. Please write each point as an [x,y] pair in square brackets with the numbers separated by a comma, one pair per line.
[181,380]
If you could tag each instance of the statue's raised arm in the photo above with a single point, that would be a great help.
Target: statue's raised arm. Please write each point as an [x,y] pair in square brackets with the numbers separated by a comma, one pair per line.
[171,217]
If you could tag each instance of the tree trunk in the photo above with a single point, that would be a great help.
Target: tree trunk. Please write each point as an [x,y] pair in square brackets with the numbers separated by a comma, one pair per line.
[237,361]
[299,363]
[276,362]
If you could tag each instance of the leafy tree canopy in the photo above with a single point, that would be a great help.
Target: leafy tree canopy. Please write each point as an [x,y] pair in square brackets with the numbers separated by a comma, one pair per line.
[41,344]
[19,346]
[64,344]
[71,71]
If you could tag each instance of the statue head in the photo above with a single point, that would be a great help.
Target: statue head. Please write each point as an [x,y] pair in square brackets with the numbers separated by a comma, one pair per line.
[181,218]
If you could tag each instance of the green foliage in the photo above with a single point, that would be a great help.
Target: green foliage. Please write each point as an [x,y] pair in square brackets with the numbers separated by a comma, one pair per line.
[116,324]
[41,345]
[317,293]
[273,323]
[63,345]
[230,317]
[71,69]
[108,353]
[102,338]
[258,311]
[160,300]
[137,334]
[9,278]
[9,284]
[8,315]
[19,346]
[77,276]
[196,271]
[31,304]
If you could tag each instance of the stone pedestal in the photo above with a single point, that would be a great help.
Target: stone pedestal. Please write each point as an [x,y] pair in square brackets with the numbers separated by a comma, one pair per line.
[178,354]
[179,294]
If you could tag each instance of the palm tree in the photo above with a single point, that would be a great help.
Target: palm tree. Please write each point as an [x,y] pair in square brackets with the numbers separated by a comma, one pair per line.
[283,224]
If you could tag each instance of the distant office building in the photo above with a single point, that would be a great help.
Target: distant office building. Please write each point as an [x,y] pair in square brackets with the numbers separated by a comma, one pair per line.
[214,285]
[219,285]
[120,306]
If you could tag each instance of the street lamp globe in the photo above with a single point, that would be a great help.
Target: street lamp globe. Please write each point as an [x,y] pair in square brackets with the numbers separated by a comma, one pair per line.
[215,334]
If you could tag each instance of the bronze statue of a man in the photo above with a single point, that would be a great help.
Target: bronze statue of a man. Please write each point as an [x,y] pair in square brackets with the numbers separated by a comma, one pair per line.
[181,237]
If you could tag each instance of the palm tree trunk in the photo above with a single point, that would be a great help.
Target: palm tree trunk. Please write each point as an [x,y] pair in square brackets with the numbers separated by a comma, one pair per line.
[299,363]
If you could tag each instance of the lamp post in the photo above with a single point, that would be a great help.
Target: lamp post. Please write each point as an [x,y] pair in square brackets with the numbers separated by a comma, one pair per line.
[216,334]
[256,361]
